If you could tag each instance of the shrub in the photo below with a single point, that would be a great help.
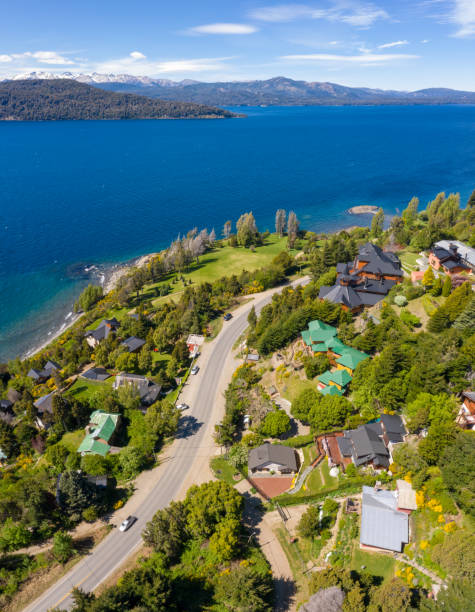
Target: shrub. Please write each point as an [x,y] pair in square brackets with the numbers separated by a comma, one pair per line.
[309,523]
[400,300]
[90,514]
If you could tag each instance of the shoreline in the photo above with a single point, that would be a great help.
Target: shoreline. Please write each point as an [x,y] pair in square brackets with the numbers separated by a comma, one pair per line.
[108,276]
[108,279]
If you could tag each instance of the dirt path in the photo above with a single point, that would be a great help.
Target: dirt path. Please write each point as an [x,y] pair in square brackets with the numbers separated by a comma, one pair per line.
[261,525]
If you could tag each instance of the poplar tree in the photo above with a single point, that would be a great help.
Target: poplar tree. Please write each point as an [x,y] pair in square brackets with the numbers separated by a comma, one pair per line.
[377,224]
[280,219]
[292,228]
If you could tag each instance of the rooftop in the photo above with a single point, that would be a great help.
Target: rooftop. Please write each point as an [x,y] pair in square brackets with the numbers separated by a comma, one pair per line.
[382,525]
[272,453]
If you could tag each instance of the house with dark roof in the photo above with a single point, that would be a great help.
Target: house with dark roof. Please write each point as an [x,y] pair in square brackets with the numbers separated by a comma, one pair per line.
[383,526]
[6,411]
[466,415]
[373,443]
[452,257]
[42,375]
[273,458]
[102,331]
[96,374]
[133,344]
[366,280]
[44,406]
[147,389]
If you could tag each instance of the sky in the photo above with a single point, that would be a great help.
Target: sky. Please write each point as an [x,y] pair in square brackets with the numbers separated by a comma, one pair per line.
[388,44]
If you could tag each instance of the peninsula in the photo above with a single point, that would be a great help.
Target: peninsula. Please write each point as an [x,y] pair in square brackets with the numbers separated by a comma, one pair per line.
[65,99]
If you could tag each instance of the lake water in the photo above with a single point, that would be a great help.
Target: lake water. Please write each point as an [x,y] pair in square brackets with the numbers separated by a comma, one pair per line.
[89,192]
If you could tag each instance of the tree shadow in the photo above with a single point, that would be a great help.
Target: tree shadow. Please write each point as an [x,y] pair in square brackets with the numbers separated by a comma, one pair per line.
[293,431]
[284,590]
[188,426]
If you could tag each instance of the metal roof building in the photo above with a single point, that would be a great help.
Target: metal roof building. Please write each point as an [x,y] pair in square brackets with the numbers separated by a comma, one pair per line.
[382,525]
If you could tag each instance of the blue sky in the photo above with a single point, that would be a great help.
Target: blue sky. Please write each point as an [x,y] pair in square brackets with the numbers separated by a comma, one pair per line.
[392,44]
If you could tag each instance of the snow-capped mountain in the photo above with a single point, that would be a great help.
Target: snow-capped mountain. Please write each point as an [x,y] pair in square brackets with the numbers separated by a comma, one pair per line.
[95,77]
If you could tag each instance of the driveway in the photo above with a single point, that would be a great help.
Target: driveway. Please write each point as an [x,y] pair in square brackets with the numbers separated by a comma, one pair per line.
[185,463]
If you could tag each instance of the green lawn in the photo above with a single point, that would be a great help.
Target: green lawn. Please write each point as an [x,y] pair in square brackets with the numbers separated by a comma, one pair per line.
[73,439]
[376,564]
[290,387]
[83,389]
[224,470]
[220,262]
[408,260]
[320,479]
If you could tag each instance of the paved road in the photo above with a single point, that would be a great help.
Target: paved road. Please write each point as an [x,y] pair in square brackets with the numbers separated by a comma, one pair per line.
[90,572]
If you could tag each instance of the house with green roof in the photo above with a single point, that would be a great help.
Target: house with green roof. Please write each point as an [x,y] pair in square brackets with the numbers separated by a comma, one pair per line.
[331,390]
[350,359]
[338,378]
[99,431]
[318,332]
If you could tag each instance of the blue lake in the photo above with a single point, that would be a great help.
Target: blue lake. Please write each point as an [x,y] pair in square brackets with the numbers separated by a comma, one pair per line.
[106,191]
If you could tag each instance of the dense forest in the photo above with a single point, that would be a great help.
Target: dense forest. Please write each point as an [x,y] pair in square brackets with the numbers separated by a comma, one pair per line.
[44,100]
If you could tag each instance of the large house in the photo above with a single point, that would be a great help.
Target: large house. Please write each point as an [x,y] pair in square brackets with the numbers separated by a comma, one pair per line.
[147,390]
[466,416]
[364,281]
[40,376]
[452,256]
[102,331]
[322,338]
[273,458]
[371,444]
[383,526]
[99,432]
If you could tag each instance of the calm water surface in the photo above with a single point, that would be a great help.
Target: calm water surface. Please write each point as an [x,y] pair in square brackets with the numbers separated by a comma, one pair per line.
[105,191]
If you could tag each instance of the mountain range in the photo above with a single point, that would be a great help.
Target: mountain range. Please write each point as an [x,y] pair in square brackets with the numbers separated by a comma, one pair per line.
[60,99]
[278,91]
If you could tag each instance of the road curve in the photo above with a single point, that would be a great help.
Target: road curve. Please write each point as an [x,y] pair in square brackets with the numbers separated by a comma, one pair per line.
[93,569]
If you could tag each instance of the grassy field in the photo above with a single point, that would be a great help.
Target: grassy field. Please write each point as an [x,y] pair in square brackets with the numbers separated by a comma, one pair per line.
[73,439]
[221,261]
[292,386]
[376,564]
[224,470]
[83,389]
[408,260]
[320,479]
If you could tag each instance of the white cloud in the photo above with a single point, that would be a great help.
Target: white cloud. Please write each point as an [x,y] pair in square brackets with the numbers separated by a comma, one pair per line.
[283,12]
[139,67]
[5,58]
[364,58]
[425,41]
[396,43]
[50,57]
[136,55]
[464,16]
[223,28]
[190,65]
[355,14]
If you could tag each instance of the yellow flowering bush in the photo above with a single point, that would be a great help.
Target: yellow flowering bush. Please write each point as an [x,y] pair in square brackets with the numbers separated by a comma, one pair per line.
[424,544]
[118,504]
[440,518]
[420,498]
[408,478]
[450,527]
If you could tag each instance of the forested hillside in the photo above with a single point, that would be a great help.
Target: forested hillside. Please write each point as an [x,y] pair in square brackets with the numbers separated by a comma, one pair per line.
[44,100]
